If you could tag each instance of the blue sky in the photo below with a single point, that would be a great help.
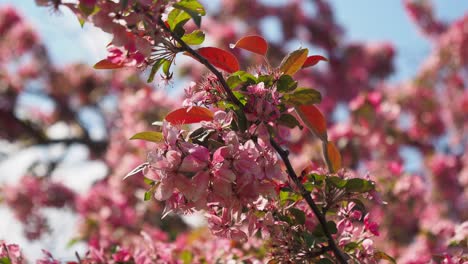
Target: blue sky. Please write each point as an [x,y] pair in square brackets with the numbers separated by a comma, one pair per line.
[364,20]
[386,20]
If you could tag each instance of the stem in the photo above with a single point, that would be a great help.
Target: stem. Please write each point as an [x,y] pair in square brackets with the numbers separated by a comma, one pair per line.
[283,153]
[304,193]
[202,60]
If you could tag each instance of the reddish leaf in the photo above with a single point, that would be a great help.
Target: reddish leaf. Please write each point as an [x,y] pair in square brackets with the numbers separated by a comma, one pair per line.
[294,61]
[333,156]
[106,65]
[255,44]
[312,60]
[220,58]
[189,115]
[314,120]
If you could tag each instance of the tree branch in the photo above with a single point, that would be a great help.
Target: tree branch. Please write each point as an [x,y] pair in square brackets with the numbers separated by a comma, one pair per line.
[304,193]
[283,153]
[202,60]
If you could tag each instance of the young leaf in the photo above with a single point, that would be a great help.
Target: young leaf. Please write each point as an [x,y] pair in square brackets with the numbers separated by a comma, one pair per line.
[155,69]
[288,120]
[336,181]
[106,65]
[5,260]
[220,58]
[303,96]
[294,61]
[149,136]
[334,156]
[233,81]
[359,185]
[385,256]
[148,195]
[193,8]
[312,60]
[285,84]
[245,77]
[195,38]
[255,44]
[299,215]
[314,120]
[189,115]
[177,18]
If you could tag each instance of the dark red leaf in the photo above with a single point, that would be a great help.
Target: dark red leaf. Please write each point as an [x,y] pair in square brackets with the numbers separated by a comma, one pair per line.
[314,120]
[312,60]
[220,58]
[334,156]
[106,65]
[189,115]
[255,44]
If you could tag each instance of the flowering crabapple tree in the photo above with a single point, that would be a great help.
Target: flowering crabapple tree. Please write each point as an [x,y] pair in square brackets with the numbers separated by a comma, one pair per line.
[250,148]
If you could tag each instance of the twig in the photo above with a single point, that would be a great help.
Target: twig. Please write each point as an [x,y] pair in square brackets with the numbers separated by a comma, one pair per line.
[202,60]
[304,193]
[283,153]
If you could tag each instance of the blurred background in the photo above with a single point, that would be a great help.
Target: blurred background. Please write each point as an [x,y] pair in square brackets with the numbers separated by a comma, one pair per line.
[68,134]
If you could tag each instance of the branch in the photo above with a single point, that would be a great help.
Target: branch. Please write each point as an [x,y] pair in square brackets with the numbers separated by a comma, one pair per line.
[283,153]
[304,193]
[202,60]
[40,138]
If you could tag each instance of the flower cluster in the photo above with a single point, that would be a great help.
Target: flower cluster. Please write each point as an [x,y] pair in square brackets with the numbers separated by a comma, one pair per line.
[228,166]
[32,194]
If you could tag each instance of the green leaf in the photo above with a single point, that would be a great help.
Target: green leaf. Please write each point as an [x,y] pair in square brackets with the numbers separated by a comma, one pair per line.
[193,8]
[308,186]
[294,61]
[177,18]
[350,246]
[240,96]
[286,84]
[148,195]
[148,181]
[384,256]
[336,181]
[241,119]
[266,79]
[245,77]
[316,178]
[166,65]
[289,120]
[286,196]
[325,261]
[303,96]
[5,260]
[81,21]
[299,215]
[359,185]
[332,227]
[195,38]
[186,256]
[72,242]
[149,136]
[88,10]
[233,81]
[155,69]
[192,5]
